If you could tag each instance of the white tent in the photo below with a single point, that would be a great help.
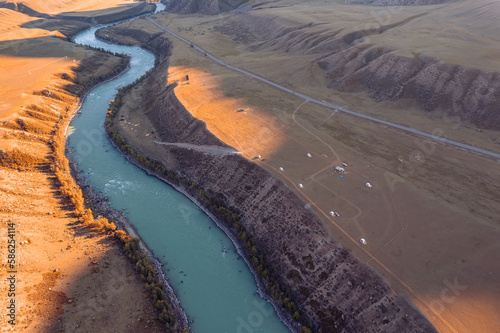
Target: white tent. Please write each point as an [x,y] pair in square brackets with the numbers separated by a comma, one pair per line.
[301,186]
[363,241]
[368,185]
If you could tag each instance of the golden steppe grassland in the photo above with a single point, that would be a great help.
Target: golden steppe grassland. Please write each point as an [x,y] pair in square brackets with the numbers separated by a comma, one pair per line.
[68,277]
[430,218]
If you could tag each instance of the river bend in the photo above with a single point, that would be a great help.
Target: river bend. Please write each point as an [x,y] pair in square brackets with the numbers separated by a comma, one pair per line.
[214,286]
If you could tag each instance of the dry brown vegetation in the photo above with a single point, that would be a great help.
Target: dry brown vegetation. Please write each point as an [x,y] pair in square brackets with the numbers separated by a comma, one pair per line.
[71,274]
[16,159]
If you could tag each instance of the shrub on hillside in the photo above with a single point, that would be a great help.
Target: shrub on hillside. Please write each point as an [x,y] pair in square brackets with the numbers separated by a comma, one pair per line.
[16,159]
[99,224]
[148,274]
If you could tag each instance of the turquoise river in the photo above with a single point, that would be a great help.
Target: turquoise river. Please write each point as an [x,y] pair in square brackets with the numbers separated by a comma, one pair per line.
[216,289]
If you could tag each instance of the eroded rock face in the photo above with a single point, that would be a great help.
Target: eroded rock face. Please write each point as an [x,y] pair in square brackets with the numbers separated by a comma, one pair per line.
[321,274]
[350,63]
[470,94]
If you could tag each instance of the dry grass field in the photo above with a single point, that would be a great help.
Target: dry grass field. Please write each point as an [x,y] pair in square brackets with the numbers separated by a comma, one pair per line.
[30,51]
[430,218]
[68,278]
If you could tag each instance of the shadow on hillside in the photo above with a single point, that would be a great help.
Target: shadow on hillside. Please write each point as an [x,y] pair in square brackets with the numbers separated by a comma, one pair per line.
[37,47]
[22,8]
[71,23]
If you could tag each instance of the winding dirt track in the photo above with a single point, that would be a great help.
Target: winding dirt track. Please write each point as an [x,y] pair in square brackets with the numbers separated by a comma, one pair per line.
[211,150]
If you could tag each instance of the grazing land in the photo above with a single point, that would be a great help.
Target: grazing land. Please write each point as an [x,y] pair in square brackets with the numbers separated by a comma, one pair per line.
[430,218]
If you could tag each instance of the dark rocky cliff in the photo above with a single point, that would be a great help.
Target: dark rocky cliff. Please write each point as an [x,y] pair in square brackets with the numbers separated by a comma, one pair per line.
[322,277]
[471,94]
[321,274]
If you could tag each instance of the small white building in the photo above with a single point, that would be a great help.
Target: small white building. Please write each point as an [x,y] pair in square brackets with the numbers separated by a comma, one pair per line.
[301,186]
[339,169]
[332,213]
[363,241]
[308,155]
[281,169]
[368,185]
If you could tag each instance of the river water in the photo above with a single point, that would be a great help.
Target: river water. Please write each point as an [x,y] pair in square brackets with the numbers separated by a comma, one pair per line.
[214,286]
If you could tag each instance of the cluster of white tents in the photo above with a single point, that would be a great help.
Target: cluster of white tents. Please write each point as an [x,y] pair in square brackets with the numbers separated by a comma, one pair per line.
[338,168]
